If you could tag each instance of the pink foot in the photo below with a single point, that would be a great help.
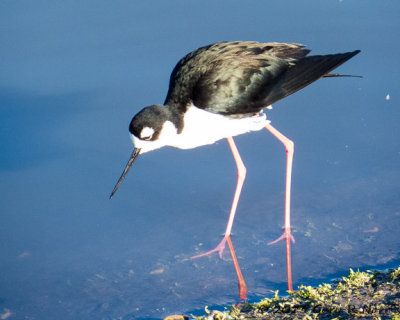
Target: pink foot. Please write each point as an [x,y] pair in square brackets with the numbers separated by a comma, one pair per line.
[285,234]
[220,249]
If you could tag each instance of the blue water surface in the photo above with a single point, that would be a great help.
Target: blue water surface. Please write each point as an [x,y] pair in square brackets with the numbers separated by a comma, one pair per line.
[72,74]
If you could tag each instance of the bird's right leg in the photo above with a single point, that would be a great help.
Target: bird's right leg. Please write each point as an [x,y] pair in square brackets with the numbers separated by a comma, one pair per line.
[287,235]
[241,175]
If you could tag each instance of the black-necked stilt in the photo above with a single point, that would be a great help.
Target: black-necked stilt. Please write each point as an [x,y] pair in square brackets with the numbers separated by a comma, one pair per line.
[220,91]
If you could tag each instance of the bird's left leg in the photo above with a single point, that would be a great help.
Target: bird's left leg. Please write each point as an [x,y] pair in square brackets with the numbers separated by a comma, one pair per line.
[241,174]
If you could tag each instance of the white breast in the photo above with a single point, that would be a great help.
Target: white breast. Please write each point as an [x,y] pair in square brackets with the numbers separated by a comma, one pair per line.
[203,127]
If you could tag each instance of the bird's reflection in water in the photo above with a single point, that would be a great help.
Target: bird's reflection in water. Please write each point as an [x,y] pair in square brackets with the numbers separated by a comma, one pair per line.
[241,282]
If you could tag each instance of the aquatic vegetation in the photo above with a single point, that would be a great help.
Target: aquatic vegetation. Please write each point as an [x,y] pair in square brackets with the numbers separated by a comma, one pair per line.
[361,295]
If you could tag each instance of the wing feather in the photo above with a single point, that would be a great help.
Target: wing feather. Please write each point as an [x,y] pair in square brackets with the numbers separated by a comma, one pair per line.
[241,78]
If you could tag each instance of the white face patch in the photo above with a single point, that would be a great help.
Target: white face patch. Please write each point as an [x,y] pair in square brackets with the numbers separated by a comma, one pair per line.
[167,136]
[146,133]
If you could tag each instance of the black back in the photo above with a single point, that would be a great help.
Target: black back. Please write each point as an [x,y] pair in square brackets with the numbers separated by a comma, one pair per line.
[241,78]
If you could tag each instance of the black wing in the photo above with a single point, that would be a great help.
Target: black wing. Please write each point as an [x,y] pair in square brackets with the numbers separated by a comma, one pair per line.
[241,78]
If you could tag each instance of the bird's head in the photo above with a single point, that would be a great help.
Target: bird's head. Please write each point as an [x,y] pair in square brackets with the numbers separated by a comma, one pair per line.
[150,129]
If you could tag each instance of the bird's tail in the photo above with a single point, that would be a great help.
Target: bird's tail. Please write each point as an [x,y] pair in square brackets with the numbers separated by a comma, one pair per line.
[334,75]
[306,71]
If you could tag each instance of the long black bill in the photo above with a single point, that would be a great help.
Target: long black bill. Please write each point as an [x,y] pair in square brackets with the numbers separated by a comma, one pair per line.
[132,159]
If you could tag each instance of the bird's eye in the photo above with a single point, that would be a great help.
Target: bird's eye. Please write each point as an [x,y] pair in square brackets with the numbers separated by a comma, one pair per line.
[148,138]
[146,133]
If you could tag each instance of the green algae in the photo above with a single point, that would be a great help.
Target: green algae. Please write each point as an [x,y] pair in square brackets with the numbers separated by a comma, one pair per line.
[360,295]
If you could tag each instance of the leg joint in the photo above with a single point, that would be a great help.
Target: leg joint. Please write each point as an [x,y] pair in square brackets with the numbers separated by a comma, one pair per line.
[242,171]
[289,145]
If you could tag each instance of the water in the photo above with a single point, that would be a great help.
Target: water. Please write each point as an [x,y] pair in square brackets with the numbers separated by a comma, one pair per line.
[73,74]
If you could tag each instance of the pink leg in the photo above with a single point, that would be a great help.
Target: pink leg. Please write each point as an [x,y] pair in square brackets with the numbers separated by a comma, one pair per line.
[241,174]
[289,146]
